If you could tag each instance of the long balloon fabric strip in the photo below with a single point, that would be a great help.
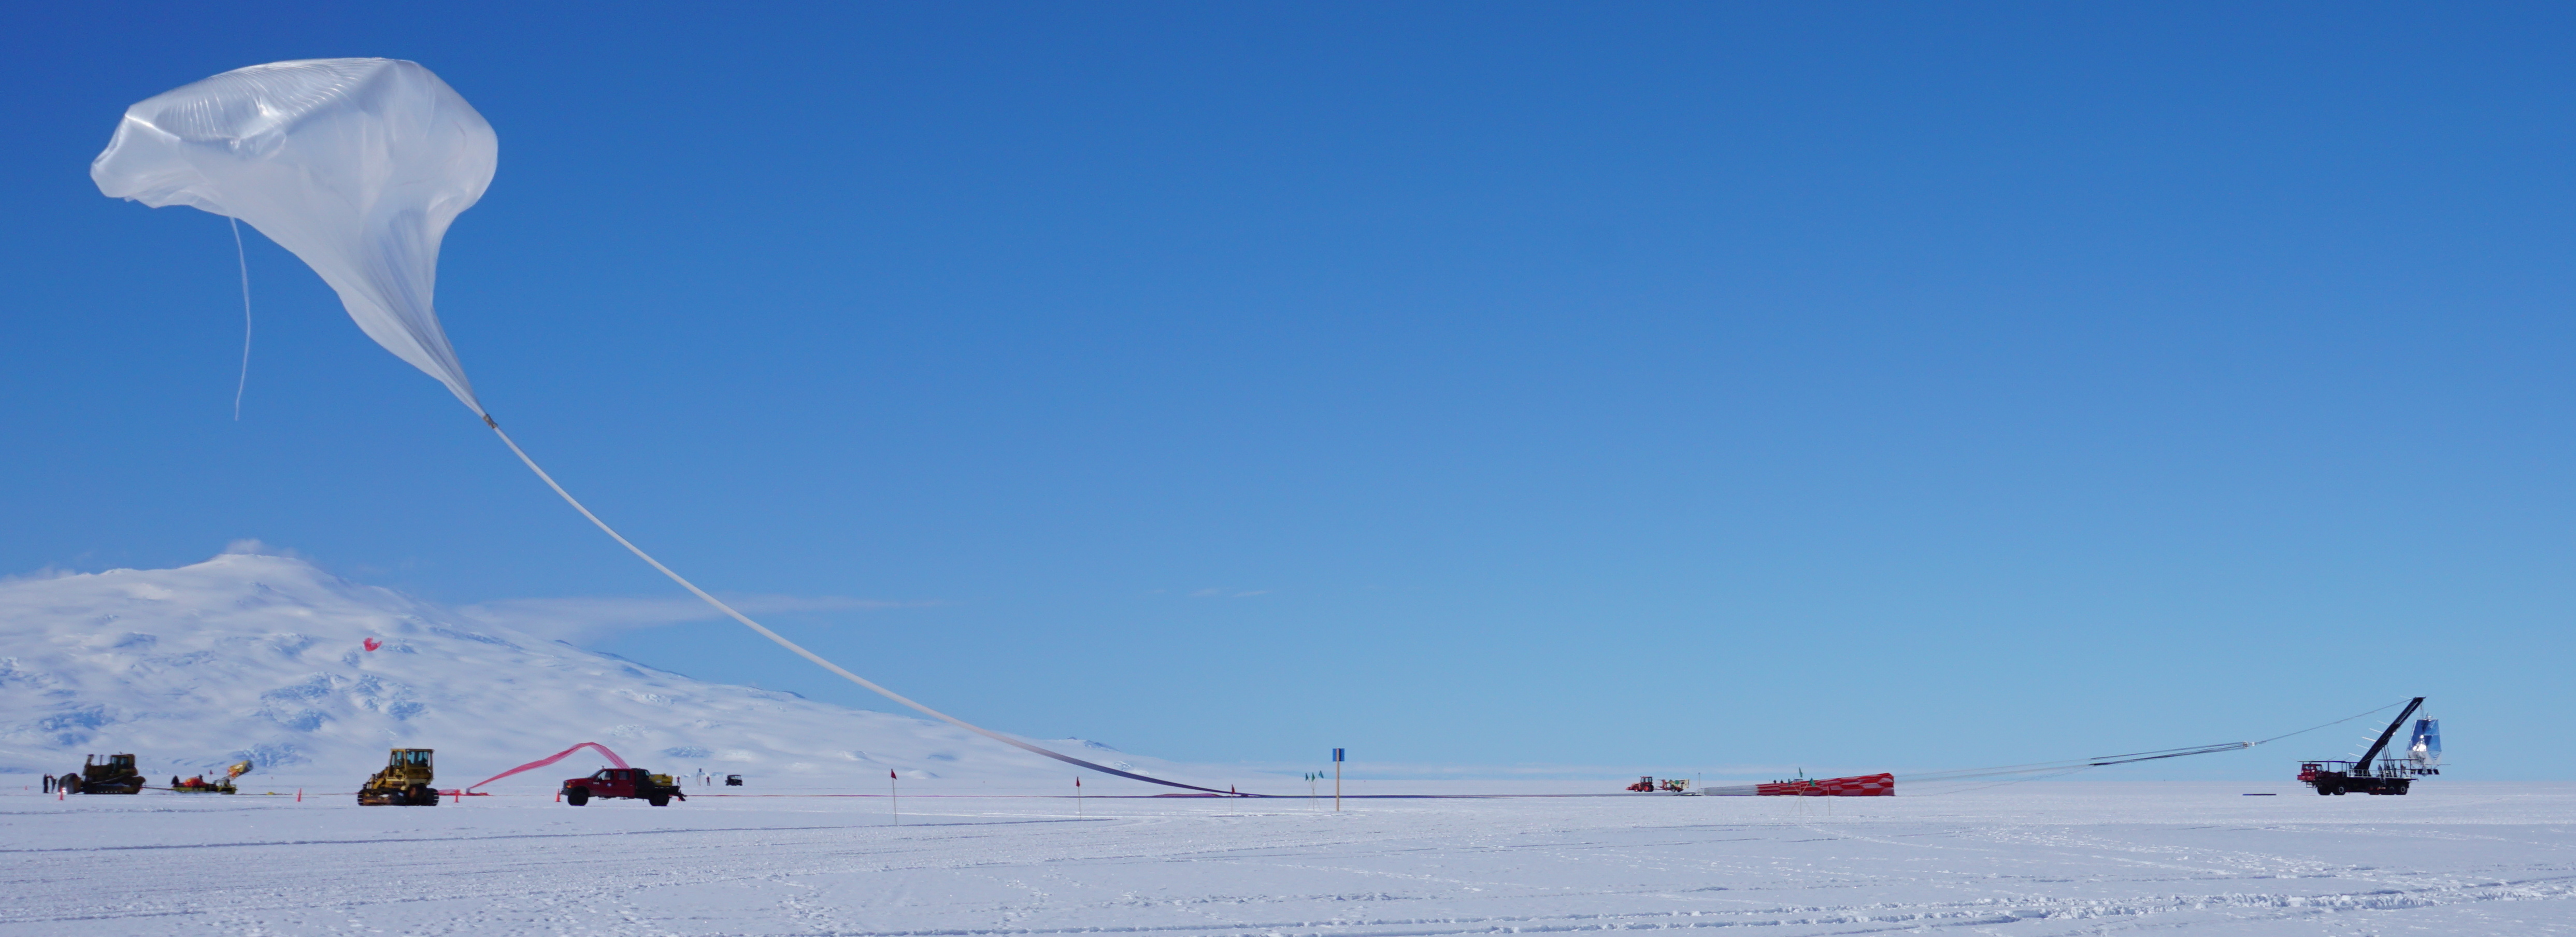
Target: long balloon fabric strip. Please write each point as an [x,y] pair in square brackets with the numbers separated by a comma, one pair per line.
[551,759]
[800,650]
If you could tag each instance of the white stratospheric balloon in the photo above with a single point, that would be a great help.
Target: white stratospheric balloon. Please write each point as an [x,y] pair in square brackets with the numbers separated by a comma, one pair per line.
[356,165]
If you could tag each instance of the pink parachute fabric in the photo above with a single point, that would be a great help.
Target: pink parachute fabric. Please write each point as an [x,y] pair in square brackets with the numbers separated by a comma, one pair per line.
[551,759]
[359,166]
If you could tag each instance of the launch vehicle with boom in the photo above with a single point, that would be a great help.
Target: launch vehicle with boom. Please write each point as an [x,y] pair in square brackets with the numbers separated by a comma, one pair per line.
[2389,775]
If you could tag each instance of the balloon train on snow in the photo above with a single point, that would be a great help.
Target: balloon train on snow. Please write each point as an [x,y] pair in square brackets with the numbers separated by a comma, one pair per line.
[359,166]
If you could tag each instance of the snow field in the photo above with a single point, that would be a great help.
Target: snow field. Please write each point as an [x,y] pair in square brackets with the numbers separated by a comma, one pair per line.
[2034,859]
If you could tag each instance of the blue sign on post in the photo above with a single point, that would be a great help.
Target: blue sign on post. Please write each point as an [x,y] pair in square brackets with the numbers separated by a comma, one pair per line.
[1337,754]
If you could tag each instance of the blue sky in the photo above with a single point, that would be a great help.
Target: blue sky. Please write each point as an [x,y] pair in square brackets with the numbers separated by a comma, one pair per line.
[1843,386]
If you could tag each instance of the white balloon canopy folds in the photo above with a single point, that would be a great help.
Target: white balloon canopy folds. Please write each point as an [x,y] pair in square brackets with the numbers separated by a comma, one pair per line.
[356,165]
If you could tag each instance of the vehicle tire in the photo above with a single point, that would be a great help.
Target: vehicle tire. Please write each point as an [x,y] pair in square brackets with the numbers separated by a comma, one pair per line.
[659,800]
[577,796]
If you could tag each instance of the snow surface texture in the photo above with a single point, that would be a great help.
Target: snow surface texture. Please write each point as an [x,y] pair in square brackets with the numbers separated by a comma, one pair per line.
[2028,860]
[264,658]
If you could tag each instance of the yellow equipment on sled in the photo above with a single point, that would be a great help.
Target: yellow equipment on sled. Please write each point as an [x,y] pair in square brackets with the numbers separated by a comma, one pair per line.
[404,782]
[199,784]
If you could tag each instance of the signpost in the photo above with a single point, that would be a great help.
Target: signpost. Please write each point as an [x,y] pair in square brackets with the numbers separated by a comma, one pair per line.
[1337,780]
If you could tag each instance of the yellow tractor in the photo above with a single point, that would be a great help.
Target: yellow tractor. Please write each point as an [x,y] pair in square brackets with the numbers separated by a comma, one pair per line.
[404,782]
[111,774]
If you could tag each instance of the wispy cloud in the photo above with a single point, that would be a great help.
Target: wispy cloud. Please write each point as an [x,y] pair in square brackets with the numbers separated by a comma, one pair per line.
[255,547]
[582,618]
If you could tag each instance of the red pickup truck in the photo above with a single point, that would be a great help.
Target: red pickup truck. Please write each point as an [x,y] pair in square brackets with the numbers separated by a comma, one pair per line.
[655,789]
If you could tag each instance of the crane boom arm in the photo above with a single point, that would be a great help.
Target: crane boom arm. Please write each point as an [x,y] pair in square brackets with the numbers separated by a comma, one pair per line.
[2362,767]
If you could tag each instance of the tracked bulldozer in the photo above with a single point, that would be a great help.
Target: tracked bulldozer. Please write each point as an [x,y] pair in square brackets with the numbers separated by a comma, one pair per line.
[405,782]
[108,774]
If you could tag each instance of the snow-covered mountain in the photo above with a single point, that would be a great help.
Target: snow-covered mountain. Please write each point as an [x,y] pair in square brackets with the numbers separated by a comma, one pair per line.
[267,658]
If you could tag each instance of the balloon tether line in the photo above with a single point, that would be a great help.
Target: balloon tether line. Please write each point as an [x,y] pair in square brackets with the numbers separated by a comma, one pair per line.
[242,258]
[793,646]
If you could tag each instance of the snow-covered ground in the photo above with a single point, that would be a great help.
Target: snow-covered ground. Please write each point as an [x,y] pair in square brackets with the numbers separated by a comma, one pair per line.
[2028,860]
[314,677]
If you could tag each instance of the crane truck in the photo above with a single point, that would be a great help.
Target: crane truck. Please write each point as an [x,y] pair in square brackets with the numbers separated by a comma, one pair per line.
[2389,776]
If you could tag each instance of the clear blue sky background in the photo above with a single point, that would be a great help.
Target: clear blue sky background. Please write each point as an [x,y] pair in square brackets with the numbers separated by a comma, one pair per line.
[1843,386]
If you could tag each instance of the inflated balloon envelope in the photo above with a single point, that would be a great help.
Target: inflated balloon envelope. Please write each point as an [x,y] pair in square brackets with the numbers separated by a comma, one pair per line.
[359,166]
[356,165]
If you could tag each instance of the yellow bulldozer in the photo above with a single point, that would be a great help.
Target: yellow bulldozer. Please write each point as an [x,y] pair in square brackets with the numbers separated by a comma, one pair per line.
[404,782]
[109,774]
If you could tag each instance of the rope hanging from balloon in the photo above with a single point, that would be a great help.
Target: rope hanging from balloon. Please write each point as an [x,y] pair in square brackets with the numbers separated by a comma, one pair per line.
[241,258]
